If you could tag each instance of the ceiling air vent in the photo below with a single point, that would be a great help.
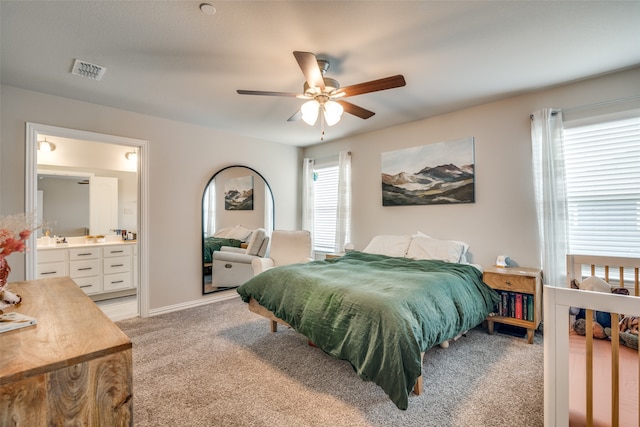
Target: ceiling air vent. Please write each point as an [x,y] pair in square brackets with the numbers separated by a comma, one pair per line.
[86,69]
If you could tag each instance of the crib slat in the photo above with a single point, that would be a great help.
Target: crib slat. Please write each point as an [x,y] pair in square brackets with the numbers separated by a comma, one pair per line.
[615,370]
[589,354]
[637,282]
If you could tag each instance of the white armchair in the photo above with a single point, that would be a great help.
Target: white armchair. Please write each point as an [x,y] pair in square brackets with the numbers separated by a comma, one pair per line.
[287,247]
[231,266]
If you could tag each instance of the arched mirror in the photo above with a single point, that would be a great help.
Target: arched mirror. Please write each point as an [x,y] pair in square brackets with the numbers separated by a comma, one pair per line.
[237,216]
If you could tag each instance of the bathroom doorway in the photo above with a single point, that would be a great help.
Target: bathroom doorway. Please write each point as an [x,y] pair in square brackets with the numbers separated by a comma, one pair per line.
[77,156]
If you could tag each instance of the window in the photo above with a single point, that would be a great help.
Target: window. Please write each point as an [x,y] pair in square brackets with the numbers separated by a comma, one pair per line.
[325,207]
[602,168]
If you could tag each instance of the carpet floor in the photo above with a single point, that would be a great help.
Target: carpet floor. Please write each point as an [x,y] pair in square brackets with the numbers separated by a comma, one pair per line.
[218,365]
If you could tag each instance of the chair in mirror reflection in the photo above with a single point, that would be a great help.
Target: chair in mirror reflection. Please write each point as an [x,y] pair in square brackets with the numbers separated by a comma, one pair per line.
[231,266]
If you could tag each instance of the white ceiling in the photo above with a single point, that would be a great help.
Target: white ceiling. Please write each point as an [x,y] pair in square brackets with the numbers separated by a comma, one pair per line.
[168,59]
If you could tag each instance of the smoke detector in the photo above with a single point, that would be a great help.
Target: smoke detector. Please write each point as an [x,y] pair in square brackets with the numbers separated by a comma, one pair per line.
[86,69]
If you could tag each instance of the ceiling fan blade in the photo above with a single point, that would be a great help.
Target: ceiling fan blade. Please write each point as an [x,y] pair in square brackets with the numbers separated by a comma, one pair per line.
[309,65]
[261,92]
[374,85]
[296,116]
[355,110]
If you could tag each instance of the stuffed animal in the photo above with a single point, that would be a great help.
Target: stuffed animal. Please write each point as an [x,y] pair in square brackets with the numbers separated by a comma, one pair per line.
[629,324]
[626,338]
[602,319]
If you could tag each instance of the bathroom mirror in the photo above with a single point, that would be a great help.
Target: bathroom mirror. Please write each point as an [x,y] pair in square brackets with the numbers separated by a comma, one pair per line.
[236,197]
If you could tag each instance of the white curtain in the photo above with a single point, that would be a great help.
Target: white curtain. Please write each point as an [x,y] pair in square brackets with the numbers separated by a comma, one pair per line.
[550,193]
[209,210]
[268,210]
[343,214]
[307,194]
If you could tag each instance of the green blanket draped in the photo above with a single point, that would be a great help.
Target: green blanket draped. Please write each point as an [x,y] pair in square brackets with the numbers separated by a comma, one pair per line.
[377,312]
[212,244]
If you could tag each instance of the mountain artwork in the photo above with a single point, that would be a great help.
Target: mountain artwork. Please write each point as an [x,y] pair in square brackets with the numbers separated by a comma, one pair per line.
[238,194]
[440,173]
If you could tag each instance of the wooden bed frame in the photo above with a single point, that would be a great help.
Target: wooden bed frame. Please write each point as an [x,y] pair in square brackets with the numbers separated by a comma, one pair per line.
[557,334]
[261,310]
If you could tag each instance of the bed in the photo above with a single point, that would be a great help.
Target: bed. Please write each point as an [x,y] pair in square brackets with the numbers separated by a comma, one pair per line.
[233,236]
[591,381]
[212,244]
[379,312]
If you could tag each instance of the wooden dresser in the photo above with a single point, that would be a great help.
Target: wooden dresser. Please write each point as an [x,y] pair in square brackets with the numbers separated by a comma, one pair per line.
[73,368]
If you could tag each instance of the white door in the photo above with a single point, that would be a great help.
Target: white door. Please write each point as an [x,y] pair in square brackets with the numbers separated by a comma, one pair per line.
[103,205]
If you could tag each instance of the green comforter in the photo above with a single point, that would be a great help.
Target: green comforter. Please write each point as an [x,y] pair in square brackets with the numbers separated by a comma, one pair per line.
[212,244]
[377,312]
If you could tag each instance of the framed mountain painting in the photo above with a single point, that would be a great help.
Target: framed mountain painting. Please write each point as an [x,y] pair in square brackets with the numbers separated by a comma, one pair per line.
[433,174]
[238,194]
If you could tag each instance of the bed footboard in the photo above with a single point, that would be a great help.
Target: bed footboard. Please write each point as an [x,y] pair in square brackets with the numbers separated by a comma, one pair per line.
[258,309]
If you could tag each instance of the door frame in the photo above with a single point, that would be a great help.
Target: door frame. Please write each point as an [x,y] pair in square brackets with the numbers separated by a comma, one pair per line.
[31,195]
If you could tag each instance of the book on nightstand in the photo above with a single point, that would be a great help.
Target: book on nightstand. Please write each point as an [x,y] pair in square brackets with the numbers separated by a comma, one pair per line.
[13,320]
[518,306]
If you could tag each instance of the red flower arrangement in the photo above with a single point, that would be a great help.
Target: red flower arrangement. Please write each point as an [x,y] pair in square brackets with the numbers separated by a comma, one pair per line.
[14,232]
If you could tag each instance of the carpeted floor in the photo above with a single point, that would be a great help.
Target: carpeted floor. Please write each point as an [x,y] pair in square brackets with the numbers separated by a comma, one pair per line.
[218,365]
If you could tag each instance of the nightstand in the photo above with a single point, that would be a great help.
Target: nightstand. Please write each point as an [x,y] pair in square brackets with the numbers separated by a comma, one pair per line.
[329,256]
[520,290]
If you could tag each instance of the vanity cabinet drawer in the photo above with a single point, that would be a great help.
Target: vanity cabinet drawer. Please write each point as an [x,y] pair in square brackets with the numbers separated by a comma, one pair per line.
[116,265]
[114,282]
[84,253]
[116,251]
[84,268]
[90,285]
[52,255]
[52,269]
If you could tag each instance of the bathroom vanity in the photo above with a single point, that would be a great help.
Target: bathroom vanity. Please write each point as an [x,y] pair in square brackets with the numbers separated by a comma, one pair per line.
[101,270]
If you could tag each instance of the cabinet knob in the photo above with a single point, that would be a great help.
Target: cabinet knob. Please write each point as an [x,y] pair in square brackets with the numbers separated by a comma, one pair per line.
[508,283]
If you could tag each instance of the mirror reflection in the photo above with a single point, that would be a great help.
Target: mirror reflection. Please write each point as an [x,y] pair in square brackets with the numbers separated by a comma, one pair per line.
[237,220]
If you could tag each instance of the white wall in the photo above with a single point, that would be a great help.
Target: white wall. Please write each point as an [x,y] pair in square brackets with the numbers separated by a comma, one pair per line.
[183,158]
[503,218]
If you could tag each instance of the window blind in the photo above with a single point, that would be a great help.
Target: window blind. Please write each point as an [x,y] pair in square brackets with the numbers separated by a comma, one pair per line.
[325,208]
[602,172]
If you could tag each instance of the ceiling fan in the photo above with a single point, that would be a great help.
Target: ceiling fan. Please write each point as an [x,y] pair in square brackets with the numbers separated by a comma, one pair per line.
[325,94]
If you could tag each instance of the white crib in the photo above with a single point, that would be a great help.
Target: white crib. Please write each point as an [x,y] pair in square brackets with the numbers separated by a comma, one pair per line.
[619,272]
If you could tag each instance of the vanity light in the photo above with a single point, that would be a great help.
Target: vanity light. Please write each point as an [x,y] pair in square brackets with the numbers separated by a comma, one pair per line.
[46,146]
[132,155]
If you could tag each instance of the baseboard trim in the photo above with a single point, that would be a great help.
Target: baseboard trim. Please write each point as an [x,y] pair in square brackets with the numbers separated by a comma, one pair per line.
[219,296]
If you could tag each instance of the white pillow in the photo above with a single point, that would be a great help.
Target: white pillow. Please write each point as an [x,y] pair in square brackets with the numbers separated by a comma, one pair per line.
[237,232]
[429,248]
[596,284]
[465,246]
[393,245]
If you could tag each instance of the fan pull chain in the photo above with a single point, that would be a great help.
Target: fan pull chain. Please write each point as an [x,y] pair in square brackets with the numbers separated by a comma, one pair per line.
[322,123]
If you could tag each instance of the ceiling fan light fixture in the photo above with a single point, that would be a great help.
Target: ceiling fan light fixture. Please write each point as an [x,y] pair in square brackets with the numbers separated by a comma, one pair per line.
[332,112]
[310,111]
